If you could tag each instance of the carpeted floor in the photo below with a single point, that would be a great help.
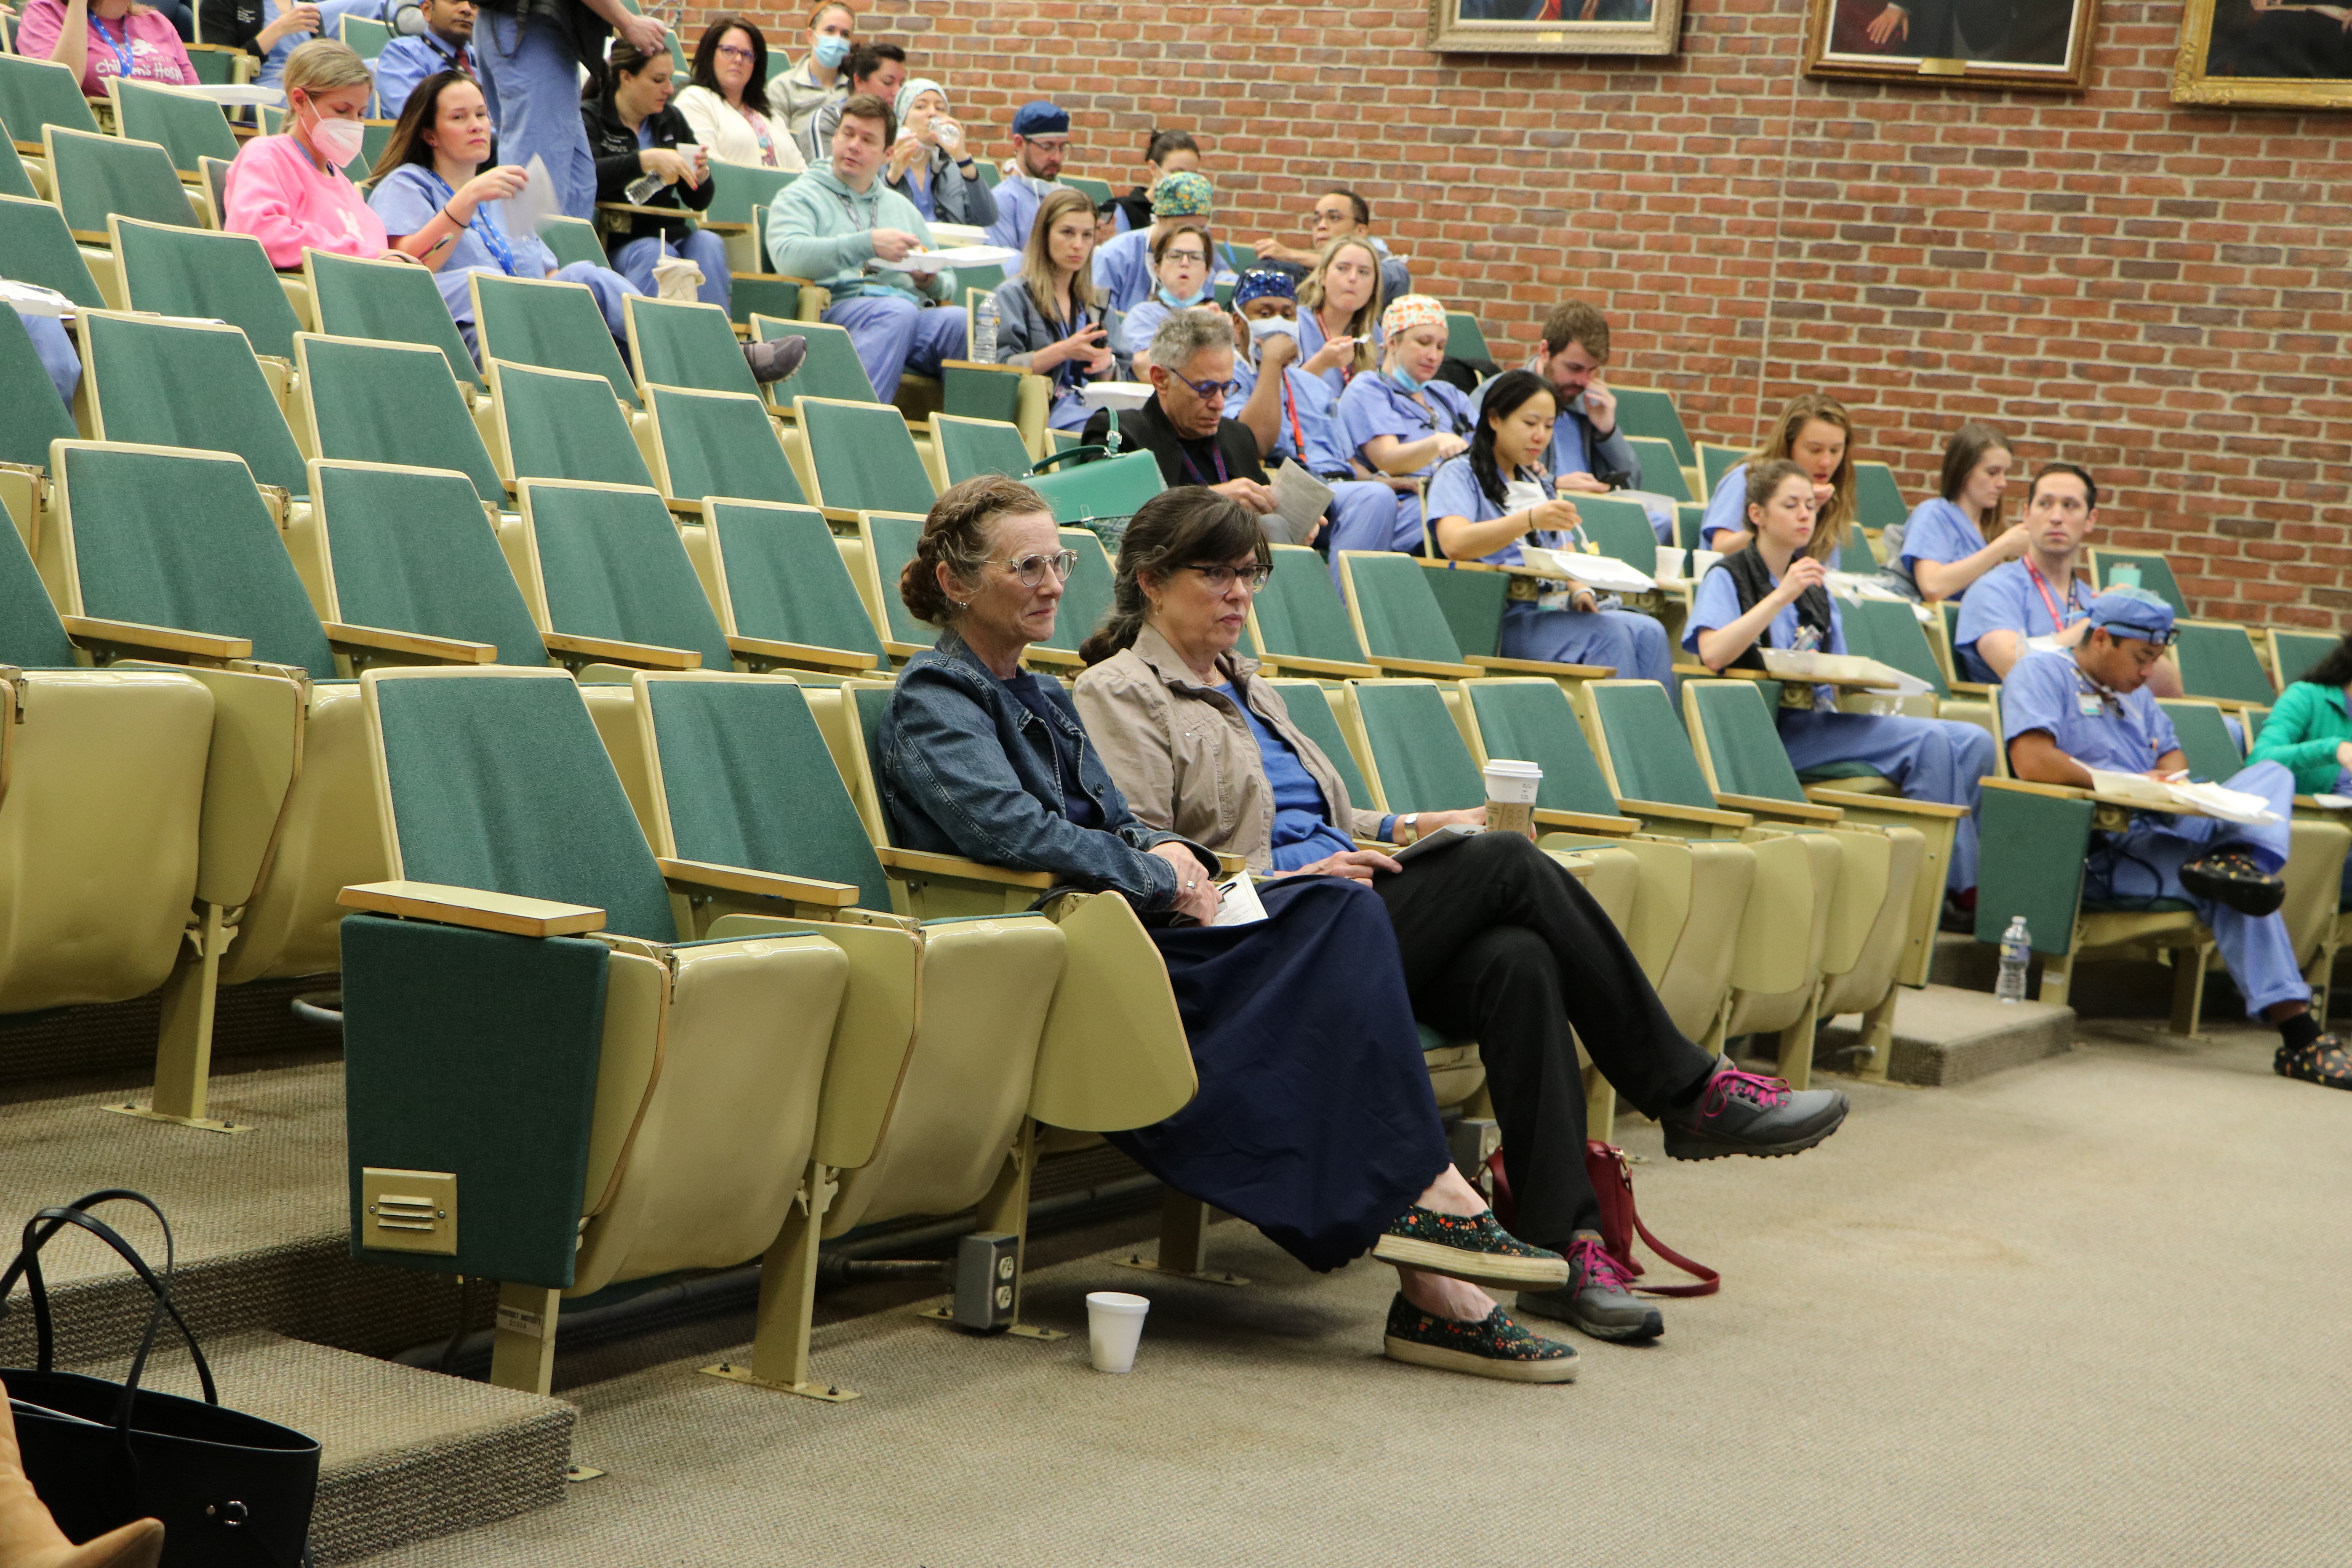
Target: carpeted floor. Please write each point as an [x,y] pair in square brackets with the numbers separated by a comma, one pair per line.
[2084,1312]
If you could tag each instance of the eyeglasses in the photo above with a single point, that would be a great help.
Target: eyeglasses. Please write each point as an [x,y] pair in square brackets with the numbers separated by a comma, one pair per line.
[732,53]
[1208,391]
[1197,258]
[1031,569]
[1220,577]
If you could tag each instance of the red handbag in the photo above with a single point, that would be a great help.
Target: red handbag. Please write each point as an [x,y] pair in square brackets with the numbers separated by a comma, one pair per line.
[1612,1175]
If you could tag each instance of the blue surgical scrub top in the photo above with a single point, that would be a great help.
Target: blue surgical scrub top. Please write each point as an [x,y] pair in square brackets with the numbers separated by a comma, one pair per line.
[1123,269]
[2006,599]
[406,200]
[2047,690]
[1454,493]
[1311,341]
[1303,832]
[1309,407]
[1375,405]
[1939,530]
[1727,508]
[1716,606]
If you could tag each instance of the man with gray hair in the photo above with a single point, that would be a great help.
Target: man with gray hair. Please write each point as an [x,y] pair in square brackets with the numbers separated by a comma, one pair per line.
[1185,425]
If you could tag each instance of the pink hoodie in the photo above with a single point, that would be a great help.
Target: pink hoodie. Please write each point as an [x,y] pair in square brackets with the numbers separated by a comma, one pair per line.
[279,197]
[156,53]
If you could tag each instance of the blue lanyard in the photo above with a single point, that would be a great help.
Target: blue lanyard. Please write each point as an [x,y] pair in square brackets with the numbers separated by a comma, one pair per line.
[122,51]
[481,226]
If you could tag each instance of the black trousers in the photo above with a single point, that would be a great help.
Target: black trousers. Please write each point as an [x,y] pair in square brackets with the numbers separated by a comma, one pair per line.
[1503,946]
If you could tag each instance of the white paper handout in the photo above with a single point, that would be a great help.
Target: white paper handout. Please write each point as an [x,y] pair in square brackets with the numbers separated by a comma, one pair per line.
[235,95]
[957,255]
[1853,585]
[529,208]
[2205,799]
[32,299]
[1604,574]
[1300,499]
[1238,903]
[1115,393]
[2333,802]
[1811,664]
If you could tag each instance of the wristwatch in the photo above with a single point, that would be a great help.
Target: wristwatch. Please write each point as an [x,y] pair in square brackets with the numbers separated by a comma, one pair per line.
[1411,823]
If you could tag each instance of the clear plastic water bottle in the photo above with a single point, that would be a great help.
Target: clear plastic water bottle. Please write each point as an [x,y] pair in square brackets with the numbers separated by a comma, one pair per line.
[2016,952]
[984,331]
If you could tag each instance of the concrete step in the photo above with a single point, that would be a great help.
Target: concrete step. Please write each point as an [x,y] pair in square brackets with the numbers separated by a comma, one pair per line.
[116,1039]
[1945,1036]
[406,1456]
[2109,988]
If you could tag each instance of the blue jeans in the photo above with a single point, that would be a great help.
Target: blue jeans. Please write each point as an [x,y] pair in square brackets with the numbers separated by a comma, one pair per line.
[893,334]
[531,77]
[635,261]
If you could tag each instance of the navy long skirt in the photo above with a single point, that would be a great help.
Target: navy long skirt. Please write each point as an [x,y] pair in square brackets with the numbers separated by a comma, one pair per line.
[1313,1120]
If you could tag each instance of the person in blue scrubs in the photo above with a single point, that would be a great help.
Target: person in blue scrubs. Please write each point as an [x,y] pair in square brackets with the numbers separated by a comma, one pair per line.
[1944,547]
[1404,421]
[403,63]
[1296,418]
[1589,454]
[1123,262]
[2065,712]
[1180,264]
[1340,313]
[54,347]
[1775,595]
[531,55]
[1041,140]
[1814,432]
[1482,503]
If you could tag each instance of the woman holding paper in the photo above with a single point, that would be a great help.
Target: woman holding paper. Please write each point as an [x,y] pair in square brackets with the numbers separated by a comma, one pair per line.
[1500,943]
[1775,594]
[1314,1118]
[1485,502]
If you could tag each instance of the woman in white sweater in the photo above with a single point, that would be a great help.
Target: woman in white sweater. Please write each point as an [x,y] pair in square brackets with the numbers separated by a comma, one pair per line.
[727,104]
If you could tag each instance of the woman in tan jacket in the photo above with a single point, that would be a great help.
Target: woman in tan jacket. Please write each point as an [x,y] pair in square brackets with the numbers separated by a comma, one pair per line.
[1501,944]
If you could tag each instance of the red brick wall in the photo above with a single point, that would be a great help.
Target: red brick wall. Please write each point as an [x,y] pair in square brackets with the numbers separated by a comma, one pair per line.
[2155,292]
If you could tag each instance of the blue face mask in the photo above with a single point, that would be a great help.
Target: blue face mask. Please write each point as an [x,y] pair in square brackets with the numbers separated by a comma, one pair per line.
[1399,378]
[1174,303]
[831,50]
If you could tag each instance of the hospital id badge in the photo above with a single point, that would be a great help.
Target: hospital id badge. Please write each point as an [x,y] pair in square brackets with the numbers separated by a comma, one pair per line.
[1558,599]
[2088,705]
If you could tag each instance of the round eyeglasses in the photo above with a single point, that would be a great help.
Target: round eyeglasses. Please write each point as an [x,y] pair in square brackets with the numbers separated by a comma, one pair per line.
[1031,569]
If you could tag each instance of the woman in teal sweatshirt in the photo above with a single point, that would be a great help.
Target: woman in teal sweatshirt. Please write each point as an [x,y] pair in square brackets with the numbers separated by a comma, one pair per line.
[2310,729]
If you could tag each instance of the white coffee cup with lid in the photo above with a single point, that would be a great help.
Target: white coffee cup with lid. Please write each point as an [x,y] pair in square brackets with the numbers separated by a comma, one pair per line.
[1511,787]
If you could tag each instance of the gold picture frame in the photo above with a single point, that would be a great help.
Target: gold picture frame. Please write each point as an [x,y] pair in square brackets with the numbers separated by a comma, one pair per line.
[2235,76]
[2031,46]
[1576,27]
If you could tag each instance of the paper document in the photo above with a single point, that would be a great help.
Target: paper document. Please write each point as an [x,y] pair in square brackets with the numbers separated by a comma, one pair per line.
[236,95]
[1853,586]
[1794,664]
[529,208]
[2205,799]
[958,256]
[1300,499]
[1603,572]
[1238,903]
[2333,802]
[32,299]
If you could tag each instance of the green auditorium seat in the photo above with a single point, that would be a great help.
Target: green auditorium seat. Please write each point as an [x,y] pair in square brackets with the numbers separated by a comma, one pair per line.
[784,593]
[548,325]
[1894,634]
[1098,191]
[1620,530]
[1716,460]
[737,188]
[1877,498]
[831,370]
[609,580]
[965,448]
[185,384]
[2218,661]
[718,443]
[32,416]
[15,180]
[767,292]
[886,543]
[862,458]
[2205,737]
[1650,416]
[1310,706]
[1465,338]
[680,342]
[206,276]
[365,36]
[389,301]
[178,556]
[2147,569]
[1662,470]
[1086,602]
[1018,397]
[1786,930]
[92,176]
[562,425]
[411,550]
[1857,553]
[35,94]
[573,240]
[185,126]
[373,402]
[1397,617]
[1298,625]
[581,1094]
[2295,654]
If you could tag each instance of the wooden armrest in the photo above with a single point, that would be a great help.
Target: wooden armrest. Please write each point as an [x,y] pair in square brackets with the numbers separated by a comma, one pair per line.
[780,278]
[1585,822]
[903,650]
[473,908]
[975,365]
[2027,786]
[376,639]
[739,879]
[1684,812]
[1335,669]
[802,653]
[1764,805]
[1542,667]
[1059,657]
[2311,803]
[1974,687]
[644,655]
[956,865]
[721,225]
[1850,800]
[1231,865]
[87,629]
[686,215]
[1435,669]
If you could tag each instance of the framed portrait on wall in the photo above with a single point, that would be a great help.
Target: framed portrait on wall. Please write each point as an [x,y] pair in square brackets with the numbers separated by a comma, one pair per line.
[2282,54]
[1555,26]
[2042,45]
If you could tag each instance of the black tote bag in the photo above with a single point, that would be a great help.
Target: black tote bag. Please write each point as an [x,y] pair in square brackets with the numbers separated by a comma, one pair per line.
[233,1491]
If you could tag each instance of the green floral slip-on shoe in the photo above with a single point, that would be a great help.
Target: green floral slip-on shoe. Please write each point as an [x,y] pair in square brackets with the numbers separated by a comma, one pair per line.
[1493,1347]
[2322,1062]
[1472,1248]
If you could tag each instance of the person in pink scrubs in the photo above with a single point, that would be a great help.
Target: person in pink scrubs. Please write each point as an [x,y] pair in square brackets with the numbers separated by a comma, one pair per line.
[290,191]
[99,39]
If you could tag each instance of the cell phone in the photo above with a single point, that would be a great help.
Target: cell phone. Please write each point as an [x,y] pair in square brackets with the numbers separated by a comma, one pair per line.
[1445,837]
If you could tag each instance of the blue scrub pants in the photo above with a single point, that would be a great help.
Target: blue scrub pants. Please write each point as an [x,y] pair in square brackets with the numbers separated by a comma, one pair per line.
[706,250]
[530,75]
[1927,759]
[1069,413]
[2145,861]
[893,334]
[1628,641]
[1365,514]
[55,347]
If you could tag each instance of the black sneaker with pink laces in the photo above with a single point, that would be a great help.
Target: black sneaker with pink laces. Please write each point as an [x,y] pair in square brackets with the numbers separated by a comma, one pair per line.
[1597,1299]
[1746,1113]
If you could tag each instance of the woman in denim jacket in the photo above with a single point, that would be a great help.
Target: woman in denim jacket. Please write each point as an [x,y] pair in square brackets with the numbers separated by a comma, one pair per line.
[1313,1120]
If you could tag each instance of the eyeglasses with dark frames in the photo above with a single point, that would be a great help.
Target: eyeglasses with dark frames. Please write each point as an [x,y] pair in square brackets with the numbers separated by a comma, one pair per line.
[1220,577]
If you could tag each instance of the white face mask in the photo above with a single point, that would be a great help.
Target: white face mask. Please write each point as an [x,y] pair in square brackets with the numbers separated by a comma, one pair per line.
[1264,330]
[340,139]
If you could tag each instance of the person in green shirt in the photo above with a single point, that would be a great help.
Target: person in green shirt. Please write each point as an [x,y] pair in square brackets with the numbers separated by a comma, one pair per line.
[2309,730]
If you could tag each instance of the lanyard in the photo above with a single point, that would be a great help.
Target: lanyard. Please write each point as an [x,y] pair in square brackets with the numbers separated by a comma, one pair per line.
[122,51]
[1290,406]
[1194,469]
[482,226]
[2042,586]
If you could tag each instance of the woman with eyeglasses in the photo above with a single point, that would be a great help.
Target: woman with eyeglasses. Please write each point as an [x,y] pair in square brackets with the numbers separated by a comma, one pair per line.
[1179,263]
[1404,422]
[728,103]
[1500,943]
[1314,1118]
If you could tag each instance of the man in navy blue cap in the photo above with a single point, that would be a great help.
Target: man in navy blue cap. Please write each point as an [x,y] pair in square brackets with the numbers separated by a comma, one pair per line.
[2067,710]
[1041,140]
